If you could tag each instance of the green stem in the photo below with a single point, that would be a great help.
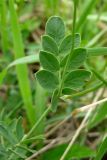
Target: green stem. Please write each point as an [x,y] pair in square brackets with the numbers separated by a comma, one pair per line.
[36,124]
[85,91]
[71,52]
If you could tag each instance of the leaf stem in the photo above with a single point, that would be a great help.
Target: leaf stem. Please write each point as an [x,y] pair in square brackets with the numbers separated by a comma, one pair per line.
[84,92]
[36,124]
[71,52]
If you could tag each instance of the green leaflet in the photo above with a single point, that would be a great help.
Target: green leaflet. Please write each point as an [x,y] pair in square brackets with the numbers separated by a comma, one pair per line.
[66,44]
[76,79]
[68,91]
[49,61]
[39,137]
[6,134]
[49,45]
[77,59]
[18,152]
[55,28]
[2,151]
[47,80]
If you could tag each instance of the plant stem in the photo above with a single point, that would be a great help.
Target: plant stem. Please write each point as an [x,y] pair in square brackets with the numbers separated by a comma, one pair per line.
[84,92]
[36,124]
[71,52]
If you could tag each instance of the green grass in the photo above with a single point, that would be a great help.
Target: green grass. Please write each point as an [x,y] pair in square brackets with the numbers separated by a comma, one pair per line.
[21,70]
[86,10]
[3,27]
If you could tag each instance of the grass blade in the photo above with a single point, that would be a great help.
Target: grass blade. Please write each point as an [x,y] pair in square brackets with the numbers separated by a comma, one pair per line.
[2,76]
[102,149]
[27,59]
[3,28]
[40,107]
[24,60]
[99,76]
[22,71]
[87,9]
[100,51]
